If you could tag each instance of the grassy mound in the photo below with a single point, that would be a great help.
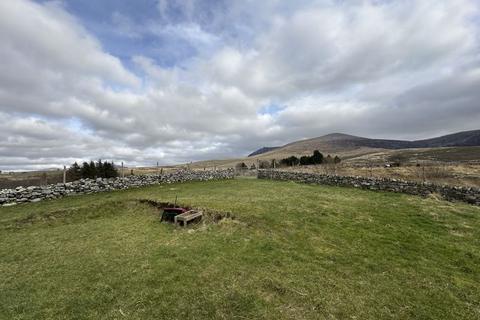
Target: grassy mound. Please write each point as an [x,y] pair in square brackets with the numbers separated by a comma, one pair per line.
[292,251]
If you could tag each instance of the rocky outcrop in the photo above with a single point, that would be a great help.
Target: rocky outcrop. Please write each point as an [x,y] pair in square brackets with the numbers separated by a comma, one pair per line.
[450,193]
[9,197]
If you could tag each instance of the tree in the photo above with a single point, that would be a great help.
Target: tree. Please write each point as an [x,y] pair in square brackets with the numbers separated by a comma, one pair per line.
[337,159]
[305,160]
[92,170]
[89,170]
[329,159]
[110,171]
[241,166]
[317,157]
[74,172]
[290,161]
[85,170]
[100,169]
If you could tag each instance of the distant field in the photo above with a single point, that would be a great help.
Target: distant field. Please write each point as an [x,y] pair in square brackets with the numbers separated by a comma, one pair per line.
[292,251]
[412,156]
[467,175]
[32,178]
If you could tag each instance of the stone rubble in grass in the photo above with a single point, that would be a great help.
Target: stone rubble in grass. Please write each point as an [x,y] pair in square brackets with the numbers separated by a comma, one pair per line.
[10,197]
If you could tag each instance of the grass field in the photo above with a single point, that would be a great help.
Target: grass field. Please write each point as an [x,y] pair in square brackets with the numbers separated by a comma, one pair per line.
[465,175]
[292,251]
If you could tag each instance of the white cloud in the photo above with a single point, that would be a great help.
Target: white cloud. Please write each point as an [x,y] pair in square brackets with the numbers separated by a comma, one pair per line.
[362,67]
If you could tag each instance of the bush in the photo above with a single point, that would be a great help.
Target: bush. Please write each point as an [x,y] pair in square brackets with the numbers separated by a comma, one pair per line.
[263,164]
[290,161]
[305,160]
[241,166]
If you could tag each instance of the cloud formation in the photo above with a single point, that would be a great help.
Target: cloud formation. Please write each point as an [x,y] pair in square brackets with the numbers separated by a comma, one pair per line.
[190,80]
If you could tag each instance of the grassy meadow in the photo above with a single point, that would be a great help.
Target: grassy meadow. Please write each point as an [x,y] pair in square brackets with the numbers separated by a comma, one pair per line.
[291,251]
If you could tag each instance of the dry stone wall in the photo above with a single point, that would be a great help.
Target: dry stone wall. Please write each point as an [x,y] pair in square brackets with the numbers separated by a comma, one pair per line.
[450,193]
[9,197]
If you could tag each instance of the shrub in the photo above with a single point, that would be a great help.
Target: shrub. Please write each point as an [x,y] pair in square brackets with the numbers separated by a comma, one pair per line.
[263,164]
[290,161]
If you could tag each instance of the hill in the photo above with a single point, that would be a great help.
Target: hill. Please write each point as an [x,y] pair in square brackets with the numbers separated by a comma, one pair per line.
[459,139]
[350,146]
[262,150]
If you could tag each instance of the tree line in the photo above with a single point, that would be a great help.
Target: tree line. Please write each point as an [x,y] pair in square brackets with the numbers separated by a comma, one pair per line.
[316,158]
[92,170]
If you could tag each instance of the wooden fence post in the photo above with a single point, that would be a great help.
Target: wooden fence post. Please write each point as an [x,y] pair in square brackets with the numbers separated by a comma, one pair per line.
[64,174]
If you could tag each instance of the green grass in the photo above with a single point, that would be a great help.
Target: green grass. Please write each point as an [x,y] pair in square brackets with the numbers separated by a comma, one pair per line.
[293,251]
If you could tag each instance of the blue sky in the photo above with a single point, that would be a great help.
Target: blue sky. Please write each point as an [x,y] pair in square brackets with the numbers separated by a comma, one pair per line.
[183,80]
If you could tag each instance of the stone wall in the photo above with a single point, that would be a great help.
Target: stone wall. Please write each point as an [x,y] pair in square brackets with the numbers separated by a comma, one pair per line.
[469,195]
[9,197]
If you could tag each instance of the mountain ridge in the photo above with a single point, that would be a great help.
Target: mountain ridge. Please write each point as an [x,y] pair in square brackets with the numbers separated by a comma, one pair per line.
[340,142]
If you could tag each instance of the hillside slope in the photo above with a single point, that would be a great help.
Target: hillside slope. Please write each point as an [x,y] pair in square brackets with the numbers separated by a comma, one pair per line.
[262,150]
[352,146]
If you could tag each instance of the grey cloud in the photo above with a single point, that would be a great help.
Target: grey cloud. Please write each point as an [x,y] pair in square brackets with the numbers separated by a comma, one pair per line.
[398,69]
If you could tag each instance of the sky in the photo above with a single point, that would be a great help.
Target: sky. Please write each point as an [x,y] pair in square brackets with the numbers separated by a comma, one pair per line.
[176,81]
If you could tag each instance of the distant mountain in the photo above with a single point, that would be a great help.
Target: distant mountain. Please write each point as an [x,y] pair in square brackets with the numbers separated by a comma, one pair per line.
[262,150]
[348,145]
[459,139]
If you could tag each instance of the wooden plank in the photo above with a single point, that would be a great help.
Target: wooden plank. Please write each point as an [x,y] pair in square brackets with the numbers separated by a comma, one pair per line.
[187,216]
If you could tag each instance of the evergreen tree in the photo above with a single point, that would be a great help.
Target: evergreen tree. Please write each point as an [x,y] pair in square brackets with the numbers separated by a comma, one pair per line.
[305,160]
[317,157]
[92,172]
[100,169]
[109,170]
[85,171]
[74,172]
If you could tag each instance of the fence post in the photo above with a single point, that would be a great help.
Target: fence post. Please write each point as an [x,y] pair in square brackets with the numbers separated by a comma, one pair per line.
[64,174]
[123,173]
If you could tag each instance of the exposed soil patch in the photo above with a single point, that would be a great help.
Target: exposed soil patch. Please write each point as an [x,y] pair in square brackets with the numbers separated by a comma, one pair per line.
[209,215]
